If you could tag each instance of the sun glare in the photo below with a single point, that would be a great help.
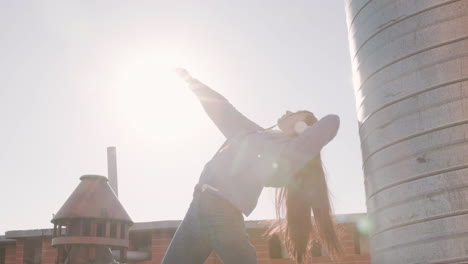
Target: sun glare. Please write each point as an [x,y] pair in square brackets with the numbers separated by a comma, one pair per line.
[151,98]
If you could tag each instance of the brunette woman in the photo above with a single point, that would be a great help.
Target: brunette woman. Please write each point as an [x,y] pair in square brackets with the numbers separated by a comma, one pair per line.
[253,158]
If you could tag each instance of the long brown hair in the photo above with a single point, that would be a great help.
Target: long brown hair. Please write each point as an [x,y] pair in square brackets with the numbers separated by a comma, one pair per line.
[307,192]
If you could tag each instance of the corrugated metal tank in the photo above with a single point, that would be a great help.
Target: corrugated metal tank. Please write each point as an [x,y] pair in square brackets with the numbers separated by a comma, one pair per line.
[410,71]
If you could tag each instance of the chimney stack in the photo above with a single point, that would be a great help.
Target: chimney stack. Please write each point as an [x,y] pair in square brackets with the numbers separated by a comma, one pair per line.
[112,169]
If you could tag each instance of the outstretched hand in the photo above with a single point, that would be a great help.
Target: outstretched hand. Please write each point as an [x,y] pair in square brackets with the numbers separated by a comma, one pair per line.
[183,73]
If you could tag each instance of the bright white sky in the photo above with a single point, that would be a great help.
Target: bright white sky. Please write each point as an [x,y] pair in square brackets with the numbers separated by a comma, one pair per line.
[78,76]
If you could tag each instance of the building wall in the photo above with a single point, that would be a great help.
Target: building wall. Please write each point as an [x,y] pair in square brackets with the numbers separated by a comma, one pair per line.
[10,255]
[49,253]
[160,240]
[19,251]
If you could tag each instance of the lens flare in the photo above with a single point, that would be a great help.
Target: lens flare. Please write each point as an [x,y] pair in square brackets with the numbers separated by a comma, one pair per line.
[364,225]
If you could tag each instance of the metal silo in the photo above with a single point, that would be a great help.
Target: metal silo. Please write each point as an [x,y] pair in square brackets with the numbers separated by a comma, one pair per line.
[410,71]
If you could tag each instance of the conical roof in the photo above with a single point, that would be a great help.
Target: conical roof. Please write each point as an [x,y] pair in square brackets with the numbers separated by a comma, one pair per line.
[93,198]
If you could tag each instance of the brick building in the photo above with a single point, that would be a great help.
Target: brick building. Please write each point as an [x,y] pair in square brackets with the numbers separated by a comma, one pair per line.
[151,239]
[93,217]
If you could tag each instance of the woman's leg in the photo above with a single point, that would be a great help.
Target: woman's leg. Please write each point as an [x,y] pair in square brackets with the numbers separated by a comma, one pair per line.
[189,244]
[234,246]
[226,229]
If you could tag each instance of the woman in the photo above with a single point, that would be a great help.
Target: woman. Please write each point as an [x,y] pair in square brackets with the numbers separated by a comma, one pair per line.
[252,158]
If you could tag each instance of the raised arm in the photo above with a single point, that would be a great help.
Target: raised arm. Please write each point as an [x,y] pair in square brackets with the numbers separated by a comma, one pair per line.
[296,152]
[225,116]
[309,143]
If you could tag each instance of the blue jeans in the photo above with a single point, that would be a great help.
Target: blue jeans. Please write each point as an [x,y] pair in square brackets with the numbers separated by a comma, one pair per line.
[211,223]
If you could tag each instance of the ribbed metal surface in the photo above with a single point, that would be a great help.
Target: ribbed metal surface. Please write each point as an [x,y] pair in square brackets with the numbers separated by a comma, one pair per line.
[410,70]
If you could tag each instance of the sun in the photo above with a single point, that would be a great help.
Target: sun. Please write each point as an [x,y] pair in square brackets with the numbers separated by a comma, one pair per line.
[149,97]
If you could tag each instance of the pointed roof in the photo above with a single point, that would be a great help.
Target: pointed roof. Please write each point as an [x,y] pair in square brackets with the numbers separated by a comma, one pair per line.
[93,198]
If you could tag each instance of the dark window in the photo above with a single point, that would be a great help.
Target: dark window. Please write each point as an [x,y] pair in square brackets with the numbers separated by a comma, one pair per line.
[357,244]
[361,242]
[2,255]
[100,229]
[141,241]
[122,230]
[32,251]
[316,249]
[86,227]
[113,230]
[74,228]
[274,245]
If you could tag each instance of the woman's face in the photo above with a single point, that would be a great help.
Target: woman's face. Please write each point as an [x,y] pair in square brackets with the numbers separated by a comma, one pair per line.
[292,123]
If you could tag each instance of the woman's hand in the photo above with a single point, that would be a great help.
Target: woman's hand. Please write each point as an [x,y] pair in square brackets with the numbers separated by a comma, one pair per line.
[184,74]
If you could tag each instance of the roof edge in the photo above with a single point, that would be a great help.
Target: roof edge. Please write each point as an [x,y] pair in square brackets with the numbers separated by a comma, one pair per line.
[173,224]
